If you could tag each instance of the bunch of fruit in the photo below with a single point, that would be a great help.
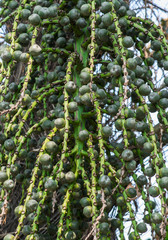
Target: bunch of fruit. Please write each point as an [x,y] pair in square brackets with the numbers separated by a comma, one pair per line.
[78,96]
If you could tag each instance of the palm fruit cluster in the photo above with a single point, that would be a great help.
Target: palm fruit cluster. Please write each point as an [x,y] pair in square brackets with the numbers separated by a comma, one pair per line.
[77,134]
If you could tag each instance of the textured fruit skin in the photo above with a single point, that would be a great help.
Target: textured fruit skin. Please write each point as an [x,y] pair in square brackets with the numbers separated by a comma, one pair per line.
[35,50]
[104,181]
[31,205]
[83,135]
[26,230]
[3,176]
[163,182]
[144,90]
[128,42]
[8,237]
[107,131]
[106,7]
[141,180]
[18,210]
[104,227]
[131,192]
[87,211]
[51,147]
[34,19]
[70,87]
[70,177]
[149,171]
[156,218]
[141,227]
[45,159]
[127,155]
[59,123]
[50,185]
[6,56]
[8,184]
[154,191]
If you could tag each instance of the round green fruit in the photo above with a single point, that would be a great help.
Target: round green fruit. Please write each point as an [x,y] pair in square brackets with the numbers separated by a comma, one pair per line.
[85,201]
[127,42]
[116,70]
[141,180]
[104,181]
[8,184]
[163,182]
[105,7]
[131,63]
[70,177]
[130,123]
[64,21]
[131,192]
[144,90]
[18,210]
[148,147]
[156,218]
[70,87]
[131,166]
[24,39]
[35,50]
[84,77]
[72,107]
[154,97]
[127,155]
[87,211]
[50,185]
[156,45]
[83,135]
[106,131]
[74,14]
[31,205]
[3,176]
[104,227]
[163,103]
[8,237]
[25,13]
[85,10]
[163,172]
[34,19]
[147,218]
[24,57]
[152,204]
[6,56]
[9,144]
[141,227]
[26,230]
[81,23]
[115,223]
[153,191]
[51,147]
[13,4]
[45,159]
[149,171]
[112,110]
[59,123]
[107,19]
